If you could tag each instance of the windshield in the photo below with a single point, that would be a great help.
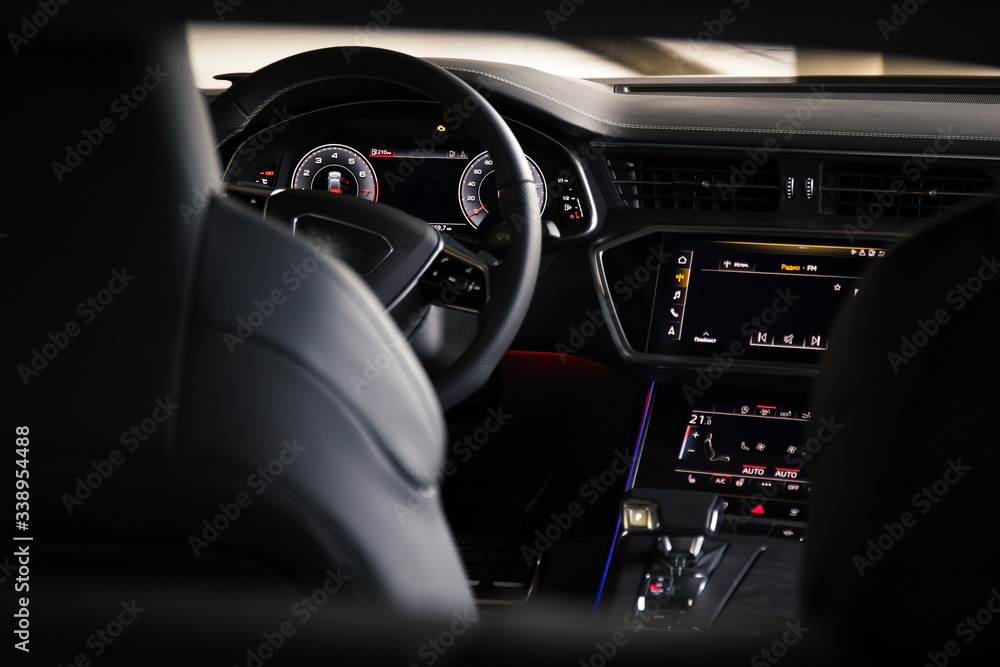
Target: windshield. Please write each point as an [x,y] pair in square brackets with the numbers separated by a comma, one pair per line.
[227,48]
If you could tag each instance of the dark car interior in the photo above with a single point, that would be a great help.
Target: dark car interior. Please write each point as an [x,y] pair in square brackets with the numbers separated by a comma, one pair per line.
[362,356]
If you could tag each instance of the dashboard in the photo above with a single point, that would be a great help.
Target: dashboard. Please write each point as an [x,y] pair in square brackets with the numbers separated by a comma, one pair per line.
[691,243]
[707,258]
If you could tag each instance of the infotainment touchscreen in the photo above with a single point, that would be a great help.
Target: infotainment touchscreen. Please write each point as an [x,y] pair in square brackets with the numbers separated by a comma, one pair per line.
[766,300]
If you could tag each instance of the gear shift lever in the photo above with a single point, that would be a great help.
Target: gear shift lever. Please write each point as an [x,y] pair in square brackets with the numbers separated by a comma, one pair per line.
[679,566]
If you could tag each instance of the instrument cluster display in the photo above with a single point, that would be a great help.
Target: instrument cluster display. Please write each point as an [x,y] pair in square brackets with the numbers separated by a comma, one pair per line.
[408,156]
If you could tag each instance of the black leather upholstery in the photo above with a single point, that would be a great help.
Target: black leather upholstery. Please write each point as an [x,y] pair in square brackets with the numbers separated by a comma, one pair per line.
[900,544]
[159,412]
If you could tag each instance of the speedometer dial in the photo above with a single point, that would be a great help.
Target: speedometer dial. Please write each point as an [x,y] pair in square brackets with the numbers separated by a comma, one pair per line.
[477,191]
[338,169]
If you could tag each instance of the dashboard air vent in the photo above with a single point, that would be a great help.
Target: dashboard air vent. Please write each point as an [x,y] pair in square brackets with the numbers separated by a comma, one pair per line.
[900,190]
[696,184]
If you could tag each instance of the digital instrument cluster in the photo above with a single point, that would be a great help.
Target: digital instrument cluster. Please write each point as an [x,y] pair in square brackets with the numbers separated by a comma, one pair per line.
[407,156]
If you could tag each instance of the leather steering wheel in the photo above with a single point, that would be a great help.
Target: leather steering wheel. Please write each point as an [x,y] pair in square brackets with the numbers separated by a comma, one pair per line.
[416,250]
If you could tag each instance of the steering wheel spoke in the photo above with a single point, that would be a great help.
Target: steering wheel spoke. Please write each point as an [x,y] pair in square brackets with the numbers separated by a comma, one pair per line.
[387,247]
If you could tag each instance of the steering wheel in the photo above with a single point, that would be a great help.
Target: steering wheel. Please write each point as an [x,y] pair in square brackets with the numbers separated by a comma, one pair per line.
[420,275]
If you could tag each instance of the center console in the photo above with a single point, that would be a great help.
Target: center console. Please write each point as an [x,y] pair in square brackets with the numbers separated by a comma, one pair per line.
[731,326]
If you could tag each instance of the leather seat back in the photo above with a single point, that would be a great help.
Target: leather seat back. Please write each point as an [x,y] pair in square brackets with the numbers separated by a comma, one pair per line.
[899,543]
[188,373]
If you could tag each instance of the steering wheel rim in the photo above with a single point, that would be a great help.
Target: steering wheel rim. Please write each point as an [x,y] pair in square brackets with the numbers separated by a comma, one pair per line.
[244,109]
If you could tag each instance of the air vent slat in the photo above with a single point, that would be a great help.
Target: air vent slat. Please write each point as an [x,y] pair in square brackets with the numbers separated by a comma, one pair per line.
[894,191]
[664,181]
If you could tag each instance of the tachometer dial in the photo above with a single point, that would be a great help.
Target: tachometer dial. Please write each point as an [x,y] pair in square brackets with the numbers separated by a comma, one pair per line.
[477,191]
[338,169]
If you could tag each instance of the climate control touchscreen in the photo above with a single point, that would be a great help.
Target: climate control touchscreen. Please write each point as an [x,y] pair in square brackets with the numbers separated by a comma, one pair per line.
[752,454]
[748,454]
[733,448]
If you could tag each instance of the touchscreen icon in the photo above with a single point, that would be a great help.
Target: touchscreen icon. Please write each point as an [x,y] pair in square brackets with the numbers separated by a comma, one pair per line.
[710,452]
[674,313]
